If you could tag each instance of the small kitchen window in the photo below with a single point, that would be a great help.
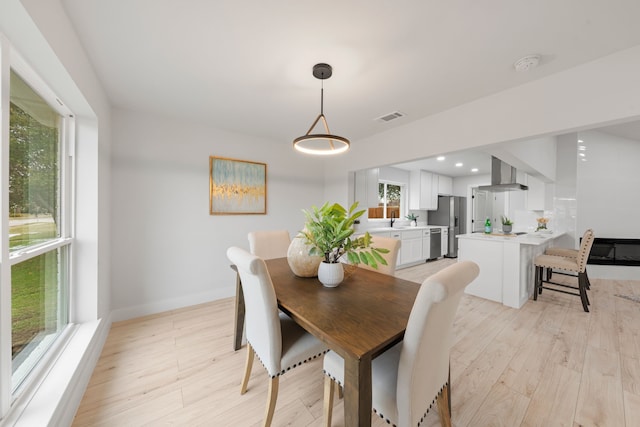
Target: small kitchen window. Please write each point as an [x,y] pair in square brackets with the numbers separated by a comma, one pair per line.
[391,201]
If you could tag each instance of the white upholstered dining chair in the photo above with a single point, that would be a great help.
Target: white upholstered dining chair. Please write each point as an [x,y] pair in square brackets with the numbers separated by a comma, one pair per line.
[409,377]
[276,339]
[393,245]
[268,244]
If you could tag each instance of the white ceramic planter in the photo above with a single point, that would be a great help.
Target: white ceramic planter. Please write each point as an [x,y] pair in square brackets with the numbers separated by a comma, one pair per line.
[330,274]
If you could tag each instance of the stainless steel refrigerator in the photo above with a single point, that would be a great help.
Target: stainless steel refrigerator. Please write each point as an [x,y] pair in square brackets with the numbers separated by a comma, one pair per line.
[452,211]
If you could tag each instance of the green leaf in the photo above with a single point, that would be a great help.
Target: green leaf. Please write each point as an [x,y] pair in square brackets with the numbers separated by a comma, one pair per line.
[378,257]
[363,258]
[371,260]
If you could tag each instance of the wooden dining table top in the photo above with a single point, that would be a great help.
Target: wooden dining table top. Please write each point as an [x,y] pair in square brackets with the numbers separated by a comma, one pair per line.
[360,318]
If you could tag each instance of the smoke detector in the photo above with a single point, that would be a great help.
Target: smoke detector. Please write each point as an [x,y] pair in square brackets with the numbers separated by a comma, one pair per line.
[527,63]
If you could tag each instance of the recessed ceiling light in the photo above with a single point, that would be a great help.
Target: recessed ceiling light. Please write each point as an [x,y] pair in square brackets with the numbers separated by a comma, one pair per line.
[474,170]
[527,63]
[440,158]
[459,165]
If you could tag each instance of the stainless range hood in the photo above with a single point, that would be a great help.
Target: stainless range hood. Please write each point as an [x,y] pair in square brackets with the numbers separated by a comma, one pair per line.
[503,177]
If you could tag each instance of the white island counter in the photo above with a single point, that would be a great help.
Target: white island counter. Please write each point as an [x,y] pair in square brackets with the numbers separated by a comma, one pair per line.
[506,264]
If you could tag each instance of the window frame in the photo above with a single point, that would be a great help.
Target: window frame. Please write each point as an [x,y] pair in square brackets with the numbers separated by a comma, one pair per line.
[403,199]
[18,395]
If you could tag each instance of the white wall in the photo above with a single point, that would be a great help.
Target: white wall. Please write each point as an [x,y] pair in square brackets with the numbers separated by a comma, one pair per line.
[565,202]
[607,194]
[608,186]
[396,175]
[535,156]
[168,251]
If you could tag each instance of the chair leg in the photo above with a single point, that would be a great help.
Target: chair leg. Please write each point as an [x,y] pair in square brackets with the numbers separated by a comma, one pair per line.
[549,274]
[449,387]
[271,402]
[583,292]
[247,369]
[585,285]
[587,282]
[535,283]
[443,406]
[340,391]
[328,400]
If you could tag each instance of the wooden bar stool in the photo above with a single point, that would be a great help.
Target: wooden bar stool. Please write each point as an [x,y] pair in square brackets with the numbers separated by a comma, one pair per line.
[569,253]
[566,266]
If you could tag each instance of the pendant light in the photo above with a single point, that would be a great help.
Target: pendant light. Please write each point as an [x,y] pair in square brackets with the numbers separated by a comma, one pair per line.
[321,143]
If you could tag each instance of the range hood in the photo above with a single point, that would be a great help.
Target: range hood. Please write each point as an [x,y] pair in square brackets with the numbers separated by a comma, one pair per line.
[503,177]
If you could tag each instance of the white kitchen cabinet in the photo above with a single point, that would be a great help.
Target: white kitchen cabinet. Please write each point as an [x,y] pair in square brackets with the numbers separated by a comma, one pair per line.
[366,188]
[445,185]
[535,194]
[423,190]
[444,242]
[411,247]
[426,244]
[397,235]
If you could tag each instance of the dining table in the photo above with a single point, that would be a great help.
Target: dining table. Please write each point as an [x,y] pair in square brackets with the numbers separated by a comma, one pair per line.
[359,319]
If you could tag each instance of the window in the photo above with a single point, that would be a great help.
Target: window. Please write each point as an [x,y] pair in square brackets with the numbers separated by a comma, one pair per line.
[38,236]
[391,201]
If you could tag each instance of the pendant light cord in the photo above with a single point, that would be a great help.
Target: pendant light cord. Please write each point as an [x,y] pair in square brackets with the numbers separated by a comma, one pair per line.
[322,95]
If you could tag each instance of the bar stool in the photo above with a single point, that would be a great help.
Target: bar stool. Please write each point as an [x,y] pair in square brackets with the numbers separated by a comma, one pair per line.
[569,253]
[574,266]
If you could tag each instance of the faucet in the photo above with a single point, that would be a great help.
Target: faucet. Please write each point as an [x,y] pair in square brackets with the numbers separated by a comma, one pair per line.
[393,217]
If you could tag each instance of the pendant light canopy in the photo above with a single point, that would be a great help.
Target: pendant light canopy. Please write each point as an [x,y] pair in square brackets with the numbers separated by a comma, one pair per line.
[321,143]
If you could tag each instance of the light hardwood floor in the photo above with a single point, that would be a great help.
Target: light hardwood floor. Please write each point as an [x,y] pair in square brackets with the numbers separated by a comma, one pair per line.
[547,364]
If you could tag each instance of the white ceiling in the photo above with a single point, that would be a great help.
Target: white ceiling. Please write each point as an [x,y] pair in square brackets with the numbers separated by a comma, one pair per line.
[245,66]
[469,160]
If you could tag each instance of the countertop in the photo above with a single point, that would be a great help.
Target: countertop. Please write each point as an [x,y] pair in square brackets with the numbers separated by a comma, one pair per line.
[399,228]
[535,238]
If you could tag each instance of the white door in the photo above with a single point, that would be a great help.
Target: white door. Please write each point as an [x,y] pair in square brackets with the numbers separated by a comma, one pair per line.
[481,209]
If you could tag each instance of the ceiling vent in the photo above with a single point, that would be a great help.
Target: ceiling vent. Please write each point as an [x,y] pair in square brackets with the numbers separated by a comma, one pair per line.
[391,116]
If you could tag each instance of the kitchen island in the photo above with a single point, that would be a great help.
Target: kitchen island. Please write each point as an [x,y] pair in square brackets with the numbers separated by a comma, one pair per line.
[506,264]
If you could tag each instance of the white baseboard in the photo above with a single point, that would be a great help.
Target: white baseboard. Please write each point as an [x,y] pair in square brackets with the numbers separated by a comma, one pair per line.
[171,304]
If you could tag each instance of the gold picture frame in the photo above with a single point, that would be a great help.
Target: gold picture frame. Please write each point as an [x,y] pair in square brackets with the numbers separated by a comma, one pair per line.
[237,187]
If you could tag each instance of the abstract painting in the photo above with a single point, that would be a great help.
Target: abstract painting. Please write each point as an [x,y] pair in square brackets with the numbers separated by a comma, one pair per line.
[237,187]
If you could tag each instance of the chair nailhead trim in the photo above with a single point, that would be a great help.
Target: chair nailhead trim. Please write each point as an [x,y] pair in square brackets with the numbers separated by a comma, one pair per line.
[385,418]
[289,367]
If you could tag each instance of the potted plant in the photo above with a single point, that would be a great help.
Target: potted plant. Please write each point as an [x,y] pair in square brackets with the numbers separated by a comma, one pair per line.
[542,223]
[414,218]
[507,225]
[328,231]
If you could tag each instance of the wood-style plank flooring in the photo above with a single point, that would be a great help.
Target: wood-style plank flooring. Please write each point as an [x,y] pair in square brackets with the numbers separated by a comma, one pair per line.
[547,364]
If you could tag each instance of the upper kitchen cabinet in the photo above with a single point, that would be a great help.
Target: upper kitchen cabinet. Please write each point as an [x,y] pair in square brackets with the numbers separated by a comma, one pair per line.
[423,190]
[535,194]
[366,188]
[445,185]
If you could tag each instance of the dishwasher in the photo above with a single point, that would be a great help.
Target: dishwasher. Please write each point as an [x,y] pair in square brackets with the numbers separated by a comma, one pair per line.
[435,245]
